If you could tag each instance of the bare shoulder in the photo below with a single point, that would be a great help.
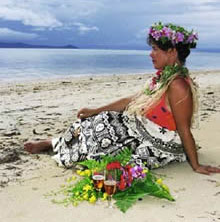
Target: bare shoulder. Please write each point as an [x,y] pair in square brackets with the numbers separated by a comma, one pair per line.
[179,86]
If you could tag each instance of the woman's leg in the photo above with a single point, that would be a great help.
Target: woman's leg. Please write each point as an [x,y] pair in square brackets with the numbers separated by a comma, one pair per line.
[38,146]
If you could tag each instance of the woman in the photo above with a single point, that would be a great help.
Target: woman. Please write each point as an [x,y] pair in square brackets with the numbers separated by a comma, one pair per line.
[155,123]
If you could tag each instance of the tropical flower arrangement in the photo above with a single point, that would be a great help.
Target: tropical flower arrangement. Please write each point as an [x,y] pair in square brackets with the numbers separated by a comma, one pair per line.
[133,182]
[173,33]
[163,77]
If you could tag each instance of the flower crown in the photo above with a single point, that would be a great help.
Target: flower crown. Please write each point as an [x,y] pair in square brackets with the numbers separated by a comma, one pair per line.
[175,34]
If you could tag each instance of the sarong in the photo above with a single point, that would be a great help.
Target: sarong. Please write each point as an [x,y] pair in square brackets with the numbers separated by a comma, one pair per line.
[110,132]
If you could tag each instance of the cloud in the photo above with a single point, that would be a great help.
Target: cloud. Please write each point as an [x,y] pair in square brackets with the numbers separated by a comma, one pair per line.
[78,9]
[9,34]
[115,21]
[47,14]
[202,15]
[28,15]
[84,29]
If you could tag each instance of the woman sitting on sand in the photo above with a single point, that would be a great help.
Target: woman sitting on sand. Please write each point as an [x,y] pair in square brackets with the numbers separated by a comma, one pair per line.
[155,123]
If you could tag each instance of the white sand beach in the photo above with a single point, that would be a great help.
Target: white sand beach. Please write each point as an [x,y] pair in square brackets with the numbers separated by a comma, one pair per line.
[41,109]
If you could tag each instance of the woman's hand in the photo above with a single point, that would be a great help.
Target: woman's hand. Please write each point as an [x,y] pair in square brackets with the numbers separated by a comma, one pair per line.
[86,112]
[206,169]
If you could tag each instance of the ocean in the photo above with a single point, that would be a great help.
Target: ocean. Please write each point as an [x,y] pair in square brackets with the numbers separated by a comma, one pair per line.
[30,64]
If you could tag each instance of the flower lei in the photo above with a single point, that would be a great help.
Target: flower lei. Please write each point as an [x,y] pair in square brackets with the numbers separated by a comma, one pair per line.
[173,33]
[163,76]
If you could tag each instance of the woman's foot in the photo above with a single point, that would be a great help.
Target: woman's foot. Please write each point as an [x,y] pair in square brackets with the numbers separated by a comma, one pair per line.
[38,146]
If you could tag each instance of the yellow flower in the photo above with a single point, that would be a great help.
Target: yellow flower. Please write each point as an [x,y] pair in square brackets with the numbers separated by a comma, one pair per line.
[145,170]
[87,172]
[165,187]
[75,203]
[87,188]
[84,173]
[78,172]
[105,195]
[85,196]
[81,173]
[159,181]
[92,199]
[70,179]
[77,193]
[73,178]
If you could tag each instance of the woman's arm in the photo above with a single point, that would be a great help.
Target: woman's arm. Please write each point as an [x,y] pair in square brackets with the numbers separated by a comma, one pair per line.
[181,103]
[117,106]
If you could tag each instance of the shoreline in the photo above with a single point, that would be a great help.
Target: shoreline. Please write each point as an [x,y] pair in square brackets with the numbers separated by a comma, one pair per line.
[41,109]
[22,80]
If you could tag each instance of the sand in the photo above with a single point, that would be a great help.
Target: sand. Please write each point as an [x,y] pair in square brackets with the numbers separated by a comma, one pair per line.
[40,109]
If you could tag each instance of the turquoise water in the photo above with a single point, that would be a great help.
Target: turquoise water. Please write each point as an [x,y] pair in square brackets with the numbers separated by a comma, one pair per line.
[24,64]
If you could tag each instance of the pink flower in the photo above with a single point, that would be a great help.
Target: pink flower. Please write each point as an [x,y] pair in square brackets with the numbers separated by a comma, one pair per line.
[137,172]
[151,86]
[179,37]
[167,32]
[192,38]
[173,33]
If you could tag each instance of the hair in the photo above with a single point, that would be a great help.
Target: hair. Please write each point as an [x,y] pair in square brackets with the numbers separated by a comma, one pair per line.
[183,50]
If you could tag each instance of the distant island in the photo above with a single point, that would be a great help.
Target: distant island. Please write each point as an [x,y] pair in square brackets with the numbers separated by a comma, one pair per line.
[24,45]
[111,47]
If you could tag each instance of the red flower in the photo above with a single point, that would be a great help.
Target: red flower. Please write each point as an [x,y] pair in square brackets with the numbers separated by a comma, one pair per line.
[128,167]
[154,80]
[113,165]
[129,175]
[122,183]
[158,73]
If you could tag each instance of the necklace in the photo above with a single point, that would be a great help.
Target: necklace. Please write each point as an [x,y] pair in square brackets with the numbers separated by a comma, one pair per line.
[163,77]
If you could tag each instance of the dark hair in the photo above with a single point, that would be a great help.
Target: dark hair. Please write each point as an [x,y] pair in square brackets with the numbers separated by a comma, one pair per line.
[183,50]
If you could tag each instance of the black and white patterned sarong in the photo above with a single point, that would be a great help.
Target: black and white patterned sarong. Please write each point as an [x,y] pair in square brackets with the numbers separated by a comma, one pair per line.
[111,132]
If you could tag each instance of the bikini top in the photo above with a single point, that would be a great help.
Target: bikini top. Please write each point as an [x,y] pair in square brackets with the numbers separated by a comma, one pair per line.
[161,115]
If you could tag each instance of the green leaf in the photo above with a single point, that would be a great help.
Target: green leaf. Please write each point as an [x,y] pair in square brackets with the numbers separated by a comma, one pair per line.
[123,157]
[90,164]
[139,188]
[125,203]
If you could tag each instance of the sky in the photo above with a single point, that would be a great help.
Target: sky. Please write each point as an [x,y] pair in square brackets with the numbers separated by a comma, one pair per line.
[104,23]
